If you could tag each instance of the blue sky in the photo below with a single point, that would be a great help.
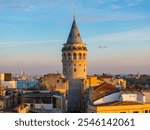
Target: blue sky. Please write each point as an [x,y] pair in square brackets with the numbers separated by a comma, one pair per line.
[32,33]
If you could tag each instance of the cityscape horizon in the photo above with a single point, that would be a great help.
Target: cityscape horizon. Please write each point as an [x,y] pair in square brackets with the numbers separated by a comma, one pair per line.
[117,35]
[100,66]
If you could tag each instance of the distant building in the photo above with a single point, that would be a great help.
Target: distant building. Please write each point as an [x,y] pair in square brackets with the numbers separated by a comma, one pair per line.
[6,80]
[117,81]
[109,99]
[92,81]
[5,76]
[44,101]
[55,82]
[8,98]
[145,91]
[74,61]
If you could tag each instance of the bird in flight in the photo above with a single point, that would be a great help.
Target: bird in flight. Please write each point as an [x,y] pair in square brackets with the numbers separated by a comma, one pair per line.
[103,47]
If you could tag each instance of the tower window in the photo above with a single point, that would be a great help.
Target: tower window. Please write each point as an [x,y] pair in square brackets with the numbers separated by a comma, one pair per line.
[69,56]
[80,56]
[75,70]
[74,56]
[57,81]
[64,56]
[84,56]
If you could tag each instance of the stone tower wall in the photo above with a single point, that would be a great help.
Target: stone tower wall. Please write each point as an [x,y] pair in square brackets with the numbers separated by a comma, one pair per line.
[75,61]
[74,64]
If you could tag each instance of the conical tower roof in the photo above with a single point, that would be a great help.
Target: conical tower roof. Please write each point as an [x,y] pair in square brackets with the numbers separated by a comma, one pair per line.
[74,35]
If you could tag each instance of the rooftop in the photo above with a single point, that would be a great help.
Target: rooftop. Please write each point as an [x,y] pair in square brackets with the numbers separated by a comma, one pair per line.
[74,35]
[103,90]
[120,103]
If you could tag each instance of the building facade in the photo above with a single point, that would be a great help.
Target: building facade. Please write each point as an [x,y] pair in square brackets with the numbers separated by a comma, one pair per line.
[8,98]
[55,82]
[6,80]
[74,64]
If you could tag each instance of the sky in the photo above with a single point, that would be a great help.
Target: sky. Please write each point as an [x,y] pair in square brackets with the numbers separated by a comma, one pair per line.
[32,33]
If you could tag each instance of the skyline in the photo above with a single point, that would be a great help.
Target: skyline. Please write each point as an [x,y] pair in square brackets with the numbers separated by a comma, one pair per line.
[32,33]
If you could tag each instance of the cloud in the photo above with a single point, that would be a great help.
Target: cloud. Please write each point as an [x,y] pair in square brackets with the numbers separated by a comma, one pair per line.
[114,17]
[21,44]
[130,36]
[133,2]
[28,5]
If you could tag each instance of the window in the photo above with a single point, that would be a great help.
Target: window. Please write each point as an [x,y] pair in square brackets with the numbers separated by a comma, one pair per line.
[84,56]
[57,81]
[146,111]
[69,56]
[74,56]
[84,70]
[80,56]
[149,111]
[74,64]
[75,70]
[64,56]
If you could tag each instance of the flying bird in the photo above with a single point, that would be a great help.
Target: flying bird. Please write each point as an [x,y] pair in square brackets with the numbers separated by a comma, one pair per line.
[103,47]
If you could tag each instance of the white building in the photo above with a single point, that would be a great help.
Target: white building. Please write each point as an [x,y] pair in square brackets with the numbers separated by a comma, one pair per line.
[121,96]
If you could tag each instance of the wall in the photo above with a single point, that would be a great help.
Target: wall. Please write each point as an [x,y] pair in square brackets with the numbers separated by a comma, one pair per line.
[71,64]
[9,84]
[92,81]
[5,76]
[74,95]
[55,82]
[141,98]
[129,97]
[147,96]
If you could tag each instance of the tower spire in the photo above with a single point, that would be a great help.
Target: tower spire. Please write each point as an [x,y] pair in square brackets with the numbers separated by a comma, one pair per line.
[74,14]
[74,35]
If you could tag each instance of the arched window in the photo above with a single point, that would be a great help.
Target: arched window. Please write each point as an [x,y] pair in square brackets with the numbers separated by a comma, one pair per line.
[69,56]
[75,70]
[64,56]
[84,70]
[74,56]
[84,56]
[80,56]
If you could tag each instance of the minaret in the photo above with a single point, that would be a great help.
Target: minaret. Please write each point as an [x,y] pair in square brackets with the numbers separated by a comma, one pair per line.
[74,64]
